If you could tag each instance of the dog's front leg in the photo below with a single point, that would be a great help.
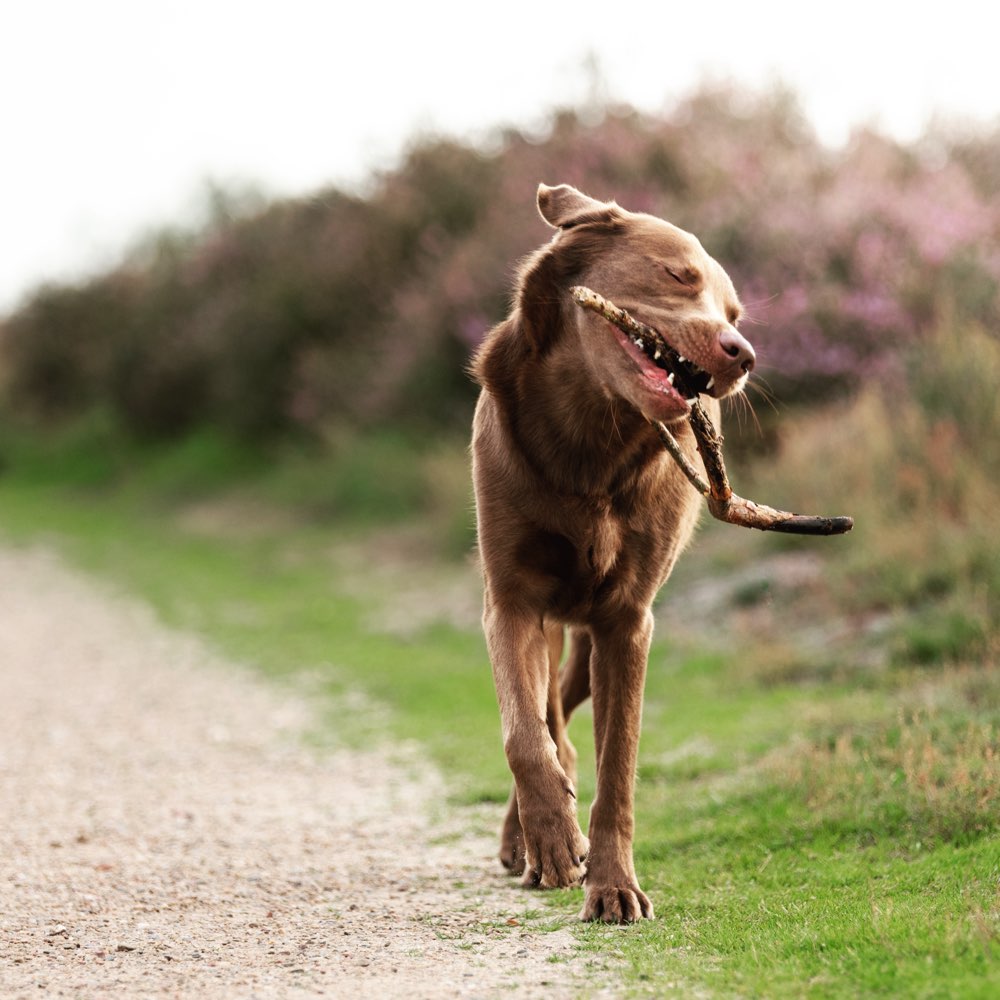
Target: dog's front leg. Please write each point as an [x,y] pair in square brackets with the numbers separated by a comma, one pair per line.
[618,674]
[554,846]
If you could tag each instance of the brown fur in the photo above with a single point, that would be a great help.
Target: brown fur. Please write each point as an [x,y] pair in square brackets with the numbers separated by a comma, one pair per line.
[581,516]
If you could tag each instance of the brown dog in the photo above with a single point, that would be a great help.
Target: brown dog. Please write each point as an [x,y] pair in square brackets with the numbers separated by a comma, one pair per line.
[582,514]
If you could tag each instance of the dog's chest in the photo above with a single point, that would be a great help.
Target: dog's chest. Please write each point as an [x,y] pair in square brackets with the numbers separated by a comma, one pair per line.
[600,543]
[597,558]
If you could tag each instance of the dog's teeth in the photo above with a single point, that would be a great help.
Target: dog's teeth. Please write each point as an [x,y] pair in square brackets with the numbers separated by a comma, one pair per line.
[656,355]
[681,358]
[638,343]
[710,383]
[670,378]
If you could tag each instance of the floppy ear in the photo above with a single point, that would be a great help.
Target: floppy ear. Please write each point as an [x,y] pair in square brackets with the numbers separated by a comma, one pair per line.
[564,207]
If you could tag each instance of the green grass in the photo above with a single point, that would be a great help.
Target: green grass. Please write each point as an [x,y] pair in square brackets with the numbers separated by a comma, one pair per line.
[819,785]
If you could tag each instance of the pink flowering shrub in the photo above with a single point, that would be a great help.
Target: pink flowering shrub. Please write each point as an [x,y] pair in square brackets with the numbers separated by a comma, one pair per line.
[349,308]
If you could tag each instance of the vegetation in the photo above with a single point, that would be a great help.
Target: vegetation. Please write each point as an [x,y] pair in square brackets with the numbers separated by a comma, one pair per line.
[259,427]
[344,308]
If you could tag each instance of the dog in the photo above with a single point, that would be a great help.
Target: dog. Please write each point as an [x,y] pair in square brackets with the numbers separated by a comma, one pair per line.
[581,515]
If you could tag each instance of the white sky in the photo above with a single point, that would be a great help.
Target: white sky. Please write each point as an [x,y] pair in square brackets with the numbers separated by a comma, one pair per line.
[113,113]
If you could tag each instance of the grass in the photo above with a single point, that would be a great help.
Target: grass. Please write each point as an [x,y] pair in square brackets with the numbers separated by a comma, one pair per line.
[819,792]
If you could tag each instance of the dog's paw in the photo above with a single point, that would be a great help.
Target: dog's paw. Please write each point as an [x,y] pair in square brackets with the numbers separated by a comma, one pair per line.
[624,904]
[512,855]
[512,842]
[555,854]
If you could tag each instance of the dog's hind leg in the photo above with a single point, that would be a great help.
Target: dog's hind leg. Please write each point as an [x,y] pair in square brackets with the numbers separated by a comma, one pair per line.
[575,677]
[512,837]
[555,715]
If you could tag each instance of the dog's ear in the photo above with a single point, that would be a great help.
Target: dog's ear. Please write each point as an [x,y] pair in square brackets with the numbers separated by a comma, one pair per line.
[564,207]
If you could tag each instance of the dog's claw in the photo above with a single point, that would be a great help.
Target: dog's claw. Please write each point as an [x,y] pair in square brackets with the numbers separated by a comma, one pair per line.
[616,905]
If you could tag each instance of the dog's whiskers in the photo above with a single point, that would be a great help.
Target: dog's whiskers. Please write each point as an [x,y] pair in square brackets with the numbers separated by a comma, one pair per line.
[748,402]
[744,408]
[758,384]
[747,316]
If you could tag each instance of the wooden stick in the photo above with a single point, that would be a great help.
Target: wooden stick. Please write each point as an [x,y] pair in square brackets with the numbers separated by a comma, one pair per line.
[674,447]
[723,503]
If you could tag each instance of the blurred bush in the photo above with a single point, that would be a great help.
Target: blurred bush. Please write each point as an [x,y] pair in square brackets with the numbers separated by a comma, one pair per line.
[916,461]
[361,308]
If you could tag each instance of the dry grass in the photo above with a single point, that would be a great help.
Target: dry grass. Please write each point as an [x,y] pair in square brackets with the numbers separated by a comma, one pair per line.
[929,771]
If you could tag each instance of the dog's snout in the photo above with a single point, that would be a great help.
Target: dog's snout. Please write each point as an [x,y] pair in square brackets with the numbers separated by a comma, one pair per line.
[738,348]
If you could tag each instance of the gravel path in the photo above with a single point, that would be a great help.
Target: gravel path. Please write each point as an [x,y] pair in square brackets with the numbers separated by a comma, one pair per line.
[166,833]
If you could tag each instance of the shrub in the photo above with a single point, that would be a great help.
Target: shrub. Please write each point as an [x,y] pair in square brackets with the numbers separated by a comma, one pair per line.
[363,307]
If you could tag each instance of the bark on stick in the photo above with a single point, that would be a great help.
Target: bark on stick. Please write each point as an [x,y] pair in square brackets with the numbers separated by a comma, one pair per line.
[723,503]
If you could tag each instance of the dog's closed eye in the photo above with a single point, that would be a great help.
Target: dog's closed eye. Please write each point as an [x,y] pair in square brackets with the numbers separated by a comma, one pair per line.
[686,276]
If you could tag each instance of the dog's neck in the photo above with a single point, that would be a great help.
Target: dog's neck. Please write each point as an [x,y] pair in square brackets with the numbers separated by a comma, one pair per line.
[580,441]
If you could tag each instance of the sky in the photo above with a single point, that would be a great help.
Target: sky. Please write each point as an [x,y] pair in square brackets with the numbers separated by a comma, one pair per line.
[116,114]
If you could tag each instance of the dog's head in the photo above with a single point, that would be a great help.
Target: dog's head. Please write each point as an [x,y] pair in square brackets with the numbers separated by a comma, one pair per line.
[657,272]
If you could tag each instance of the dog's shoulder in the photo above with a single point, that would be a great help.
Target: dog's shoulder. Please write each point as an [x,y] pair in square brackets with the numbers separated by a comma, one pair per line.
[502,353]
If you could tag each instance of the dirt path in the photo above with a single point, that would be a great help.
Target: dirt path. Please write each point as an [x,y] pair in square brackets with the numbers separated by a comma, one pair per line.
[165,833]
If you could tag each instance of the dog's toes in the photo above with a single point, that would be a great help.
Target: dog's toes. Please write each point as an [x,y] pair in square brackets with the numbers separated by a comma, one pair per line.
[512,846]
[556,864]
[616,905]
[561,877]
[512,858]
[512,840]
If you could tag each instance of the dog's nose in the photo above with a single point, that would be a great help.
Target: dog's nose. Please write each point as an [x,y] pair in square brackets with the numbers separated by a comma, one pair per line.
[738,348]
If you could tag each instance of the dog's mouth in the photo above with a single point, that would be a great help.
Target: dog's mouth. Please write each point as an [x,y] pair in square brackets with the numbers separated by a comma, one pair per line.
[673,374]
